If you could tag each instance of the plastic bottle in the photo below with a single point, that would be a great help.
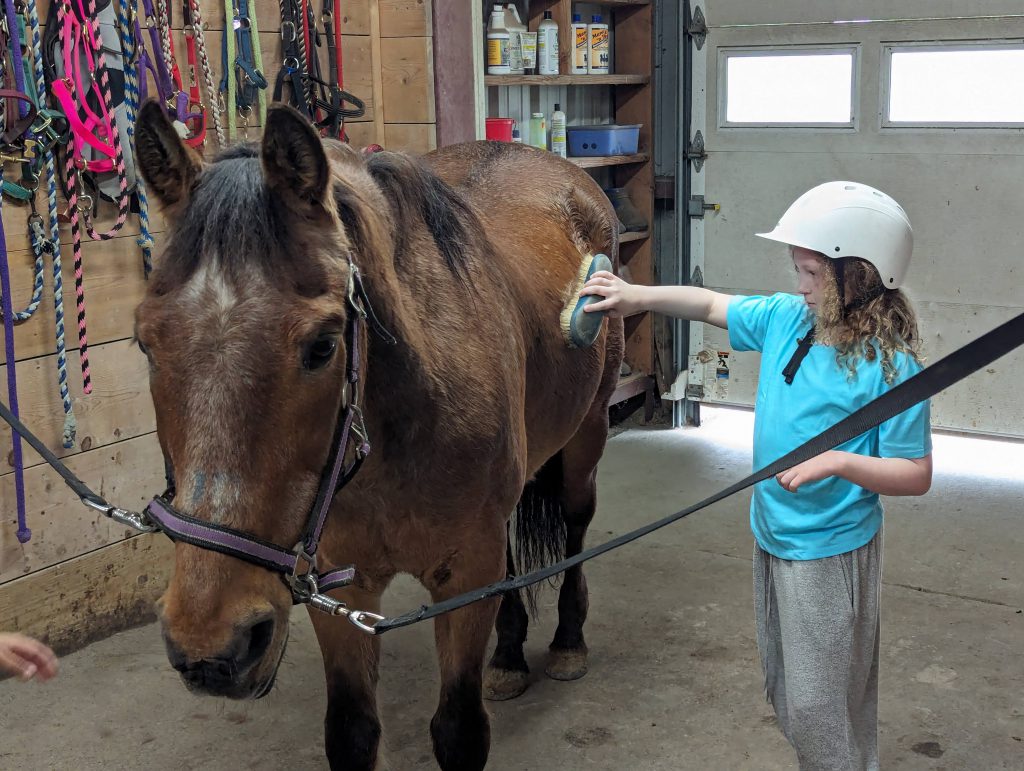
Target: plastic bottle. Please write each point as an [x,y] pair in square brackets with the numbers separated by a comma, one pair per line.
[580,45]
[558,131]
[538,131]
[547,46]
[497,43]
[600,51]
[516,30]
[516,138]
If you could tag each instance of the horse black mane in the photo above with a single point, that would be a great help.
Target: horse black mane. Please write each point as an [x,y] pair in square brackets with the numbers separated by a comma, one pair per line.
[233,217]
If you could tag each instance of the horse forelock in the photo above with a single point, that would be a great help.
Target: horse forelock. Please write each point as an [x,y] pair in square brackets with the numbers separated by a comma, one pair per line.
[235,222]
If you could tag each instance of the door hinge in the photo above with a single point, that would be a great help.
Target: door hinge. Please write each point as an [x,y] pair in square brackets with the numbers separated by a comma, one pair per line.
[697,207]
[697,28]
[695,152]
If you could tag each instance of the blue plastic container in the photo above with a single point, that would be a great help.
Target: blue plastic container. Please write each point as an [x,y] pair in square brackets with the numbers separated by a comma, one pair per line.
[603,140]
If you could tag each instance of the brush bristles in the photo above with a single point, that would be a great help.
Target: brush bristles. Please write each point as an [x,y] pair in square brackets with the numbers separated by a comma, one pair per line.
[565,318]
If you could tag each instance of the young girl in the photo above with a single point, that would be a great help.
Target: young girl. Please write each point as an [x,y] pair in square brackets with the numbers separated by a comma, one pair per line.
[847,336]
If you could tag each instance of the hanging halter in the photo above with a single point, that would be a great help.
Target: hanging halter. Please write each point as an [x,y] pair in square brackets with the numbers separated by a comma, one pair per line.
[84,61]
[243,82]
[195,48]
[321,101]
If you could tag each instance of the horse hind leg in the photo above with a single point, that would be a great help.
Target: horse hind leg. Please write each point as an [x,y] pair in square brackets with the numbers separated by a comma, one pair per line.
[567,654]
[540,540]
[507,671]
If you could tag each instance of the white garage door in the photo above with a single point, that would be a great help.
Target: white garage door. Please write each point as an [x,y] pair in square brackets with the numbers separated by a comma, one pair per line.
[918,98]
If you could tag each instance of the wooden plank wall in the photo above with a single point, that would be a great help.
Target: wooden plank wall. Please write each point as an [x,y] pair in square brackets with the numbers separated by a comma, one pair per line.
[81,576]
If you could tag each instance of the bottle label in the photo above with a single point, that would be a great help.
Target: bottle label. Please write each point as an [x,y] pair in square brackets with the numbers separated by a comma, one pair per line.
[515,51]
[599,38]
[497,52]
[580,50]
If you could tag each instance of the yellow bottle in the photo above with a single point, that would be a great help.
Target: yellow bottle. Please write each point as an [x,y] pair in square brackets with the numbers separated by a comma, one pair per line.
[600,50]
[580,45]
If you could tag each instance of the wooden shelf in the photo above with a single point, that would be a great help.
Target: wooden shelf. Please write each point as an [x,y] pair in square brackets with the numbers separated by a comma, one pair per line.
[639,235]
[566,80]
[631,385]
[593,162]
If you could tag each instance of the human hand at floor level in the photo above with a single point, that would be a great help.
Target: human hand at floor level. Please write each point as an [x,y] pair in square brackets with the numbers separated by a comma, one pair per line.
[885,476]
[26,657]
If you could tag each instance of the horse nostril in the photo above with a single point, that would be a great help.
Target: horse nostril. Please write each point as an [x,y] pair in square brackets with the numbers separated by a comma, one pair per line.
[175,655]
[254,643]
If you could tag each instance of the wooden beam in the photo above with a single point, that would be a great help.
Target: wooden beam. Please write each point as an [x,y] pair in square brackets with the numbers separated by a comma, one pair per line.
[406,18]
[407,74]
[127,474]
[454,83]
[91,596]
[415,138]
[113,287]
[119,407]
[377,70]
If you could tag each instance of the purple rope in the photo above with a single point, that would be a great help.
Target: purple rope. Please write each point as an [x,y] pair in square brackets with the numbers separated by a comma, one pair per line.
[24,534]
[12,383]
[19,70]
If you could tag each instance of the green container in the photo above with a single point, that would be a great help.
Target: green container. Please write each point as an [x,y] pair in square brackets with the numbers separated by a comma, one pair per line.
[538,131]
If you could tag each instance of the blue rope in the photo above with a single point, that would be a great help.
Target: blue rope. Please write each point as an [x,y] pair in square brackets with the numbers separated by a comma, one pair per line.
[131,105]
[52,245]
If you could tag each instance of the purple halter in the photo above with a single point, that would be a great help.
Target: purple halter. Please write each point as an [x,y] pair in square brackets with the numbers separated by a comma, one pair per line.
[167,91]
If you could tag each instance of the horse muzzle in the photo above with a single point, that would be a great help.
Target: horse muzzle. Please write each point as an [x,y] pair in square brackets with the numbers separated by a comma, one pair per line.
[241,671]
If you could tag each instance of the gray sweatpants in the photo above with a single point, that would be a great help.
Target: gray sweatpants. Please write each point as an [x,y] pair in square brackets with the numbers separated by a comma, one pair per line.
[817,633]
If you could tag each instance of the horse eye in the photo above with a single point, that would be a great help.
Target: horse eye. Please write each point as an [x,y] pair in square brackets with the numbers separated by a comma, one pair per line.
[319,352]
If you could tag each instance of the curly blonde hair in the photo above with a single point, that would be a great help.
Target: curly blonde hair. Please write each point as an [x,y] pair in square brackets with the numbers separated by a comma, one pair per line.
[874,320]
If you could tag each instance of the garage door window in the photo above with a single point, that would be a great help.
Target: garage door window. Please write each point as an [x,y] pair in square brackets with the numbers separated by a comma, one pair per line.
[965,86]
[780,88]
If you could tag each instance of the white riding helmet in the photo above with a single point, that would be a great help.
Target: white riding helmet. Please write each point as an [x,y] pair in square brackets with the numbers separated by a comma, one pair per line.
[849,219]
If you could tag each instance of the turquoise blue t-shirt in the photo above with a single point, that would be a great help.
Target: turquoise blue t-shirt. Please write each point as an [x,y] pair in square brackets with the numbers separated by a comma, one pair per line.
[831,516]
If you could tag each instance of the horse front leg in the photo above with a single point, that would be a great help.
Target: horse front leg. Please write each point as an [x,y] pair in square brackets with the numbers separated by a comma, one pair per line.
[460,727]
[351,726]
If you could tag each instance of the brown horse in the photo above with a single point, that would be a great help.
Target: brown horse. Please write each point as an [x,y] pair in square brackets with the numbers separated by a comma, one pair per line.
[476,405]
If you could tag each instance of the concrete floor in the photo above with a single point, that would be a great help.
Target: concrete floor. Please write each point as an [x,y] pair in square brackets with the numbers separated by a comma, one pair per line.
[674,681]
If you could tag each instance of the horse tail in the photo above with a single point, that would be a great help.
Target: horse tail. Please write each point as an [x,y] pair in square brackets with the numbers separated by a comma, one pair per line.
[539,523]
[592,224]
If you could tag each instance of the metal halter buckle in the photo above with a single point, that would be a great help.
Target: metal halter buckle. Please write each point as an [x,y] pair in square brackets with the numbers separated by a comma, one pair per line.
[133,519]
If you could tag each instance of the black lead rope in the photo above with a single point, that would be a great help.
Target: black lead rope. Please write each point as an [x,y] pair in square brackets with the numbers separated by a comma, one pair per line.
[924,385]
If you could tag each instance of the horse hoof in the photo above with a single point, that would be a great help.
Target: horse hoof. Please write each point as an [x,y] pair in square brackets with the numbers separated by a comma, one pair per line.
[503,684]
[566,664]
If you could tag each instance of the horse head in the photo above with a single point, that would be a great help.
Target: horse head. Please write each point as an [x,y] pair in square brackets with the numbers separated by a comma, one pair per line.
[244,324]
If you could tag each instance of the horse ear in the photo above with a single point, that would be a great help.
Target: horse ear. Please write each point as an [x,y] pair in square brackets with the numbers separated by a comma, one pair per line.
[294,161]
[168,165]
